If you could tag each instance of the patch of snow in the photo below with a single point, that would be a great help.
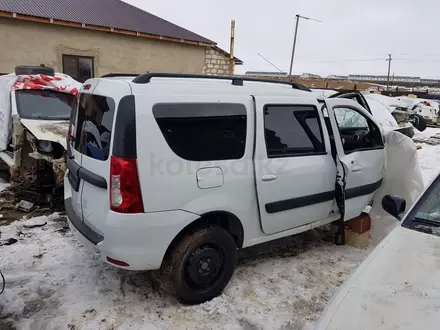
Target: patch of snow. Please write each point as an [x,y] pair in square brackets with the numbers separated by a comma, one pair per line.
[427,133]
[53,282]
[429,160]
[35,222]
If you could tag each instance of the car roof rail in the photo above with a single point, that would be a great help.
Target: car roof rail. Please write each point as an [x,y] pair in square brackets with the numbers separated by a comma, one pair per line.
[145,78]
[110,75]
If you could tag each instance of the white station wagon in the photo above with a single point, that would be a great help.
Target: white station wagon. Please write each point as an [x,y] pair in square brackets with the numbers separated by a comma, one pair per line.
[177,172]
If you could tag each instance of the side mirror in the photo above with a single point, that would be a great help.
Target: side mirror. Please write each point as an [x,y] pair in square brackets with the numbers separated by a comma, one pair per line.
[394,205]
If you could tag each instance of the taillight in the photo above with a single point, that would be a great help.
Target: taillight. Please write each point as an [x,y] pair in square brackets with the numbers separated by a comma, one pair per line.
[125,190]
[69,133]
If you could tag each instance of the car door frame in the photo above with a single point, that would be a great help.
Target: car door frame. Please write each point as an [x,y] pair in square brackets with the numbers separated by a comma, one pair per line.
[74,162]
[352,195]
[350,95]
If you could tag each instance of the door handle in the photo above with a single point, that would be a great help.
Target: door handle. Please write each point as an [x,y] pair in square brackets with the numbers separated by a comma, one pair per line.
[269,177]
[356,168]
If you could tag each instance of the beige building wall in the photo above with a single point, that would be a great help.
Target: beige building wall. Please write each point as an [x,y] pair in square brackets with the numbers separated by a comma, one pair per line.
[29,43]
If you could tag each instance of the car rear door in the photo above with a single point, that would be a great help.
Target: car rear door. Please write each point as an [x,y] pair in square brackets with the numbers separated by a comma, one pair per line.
[96,141]
[294,168]
[360,153]
[74,157]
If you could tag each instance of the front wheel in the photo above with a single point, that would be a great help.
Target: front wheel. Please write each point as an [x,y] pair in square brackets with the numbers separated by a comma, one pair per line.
[200,265]
[418,122]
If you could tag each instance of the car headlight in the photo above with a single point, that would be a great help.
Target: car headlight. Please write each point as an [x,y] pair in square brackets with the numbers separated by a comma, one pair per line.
[45,146]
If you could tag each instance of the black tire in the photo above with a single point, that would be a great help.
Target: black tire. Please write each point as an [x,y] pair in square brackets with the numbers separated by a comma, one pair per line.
[418,122]
[186,265]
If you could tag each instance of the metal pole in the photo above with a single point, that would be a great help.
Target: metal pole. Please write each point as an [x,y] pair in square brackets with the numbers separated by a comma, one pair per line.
[389,59]
[231,52]
[294,45]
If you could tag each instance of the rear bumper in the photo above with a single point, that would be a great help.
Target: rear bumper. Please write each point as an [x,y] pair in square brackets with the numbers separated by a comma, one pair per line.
[90,235]
[140,240]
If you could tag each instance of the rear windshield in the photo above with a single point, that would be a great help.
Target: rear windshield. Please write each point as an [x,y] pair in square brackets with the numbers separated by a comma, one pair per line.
[95,115]
[44,104]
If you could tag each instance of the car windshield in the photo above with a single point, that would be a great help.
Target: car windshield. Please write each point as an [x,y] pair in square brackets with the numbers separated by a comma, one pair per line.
[44,104]
[425,216]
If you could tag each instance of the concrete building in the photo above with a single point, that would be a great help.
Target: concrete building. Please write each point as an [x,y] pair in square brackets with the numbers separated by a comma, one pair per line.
[373,78]
[430,81]
[336,77]
[266,74]
[89,38]
[307,75]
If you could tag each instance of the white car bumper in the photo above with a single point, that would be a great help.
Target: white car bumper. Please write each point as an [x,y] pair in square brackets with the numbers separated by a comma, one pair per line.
[138,240]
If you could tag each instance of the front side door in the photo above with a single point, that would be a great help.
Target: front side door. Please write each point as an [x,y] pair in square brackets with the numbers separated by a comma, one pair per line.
[295,172]
[360,150]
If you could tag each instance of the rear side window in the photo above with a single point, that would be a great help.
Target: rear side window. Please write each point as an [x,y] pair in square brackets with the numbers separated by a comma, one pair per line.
[203,131]
[292,130]
[94,125]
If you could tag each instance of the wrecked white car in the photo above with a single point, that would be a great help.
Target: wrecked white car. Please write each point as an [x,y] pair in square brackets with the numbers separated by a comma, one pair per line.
[35,110]
[426,109]
[380,105]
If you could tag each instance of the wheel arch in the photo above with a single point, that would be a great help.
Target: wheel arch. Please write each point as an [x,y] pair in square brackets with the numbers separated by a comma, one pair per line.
[226,220]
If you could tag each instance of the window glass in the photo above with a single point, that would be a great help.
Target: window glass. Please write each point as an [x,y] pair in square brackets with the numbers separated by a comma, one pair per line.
[85,69]
[79,68]
[70,66]
[357,132]
[429,208]
[203,131]
[44,104]
[348,118]
[292,130]
[73,114]
[94,125]
[315,127]
[425,216]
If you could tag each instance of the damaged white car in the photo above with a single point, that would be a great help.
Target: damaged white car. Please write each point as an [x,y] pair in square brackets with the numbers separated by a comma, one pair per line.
[426,109]
[35,108]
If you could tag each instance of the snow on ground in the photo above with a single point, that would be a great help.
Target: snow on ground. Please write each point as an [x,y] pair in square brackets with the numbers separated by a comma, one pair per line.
[429,156]
[54,283]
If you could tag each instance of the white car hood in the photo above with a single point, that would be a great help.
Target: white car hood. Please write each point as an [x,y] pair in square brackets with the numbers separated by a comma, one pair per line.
[382,113]
[49,130]
[390,102]
[396,287]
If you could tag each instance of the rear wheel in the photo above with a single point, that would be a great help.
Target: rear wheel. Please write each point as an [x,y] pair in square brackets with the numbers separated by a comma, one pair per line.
[200,265]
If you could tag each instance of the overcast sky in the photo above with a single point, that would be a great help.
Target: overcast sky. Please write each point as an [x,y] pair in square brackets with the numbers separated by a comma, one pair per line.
[355,36]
